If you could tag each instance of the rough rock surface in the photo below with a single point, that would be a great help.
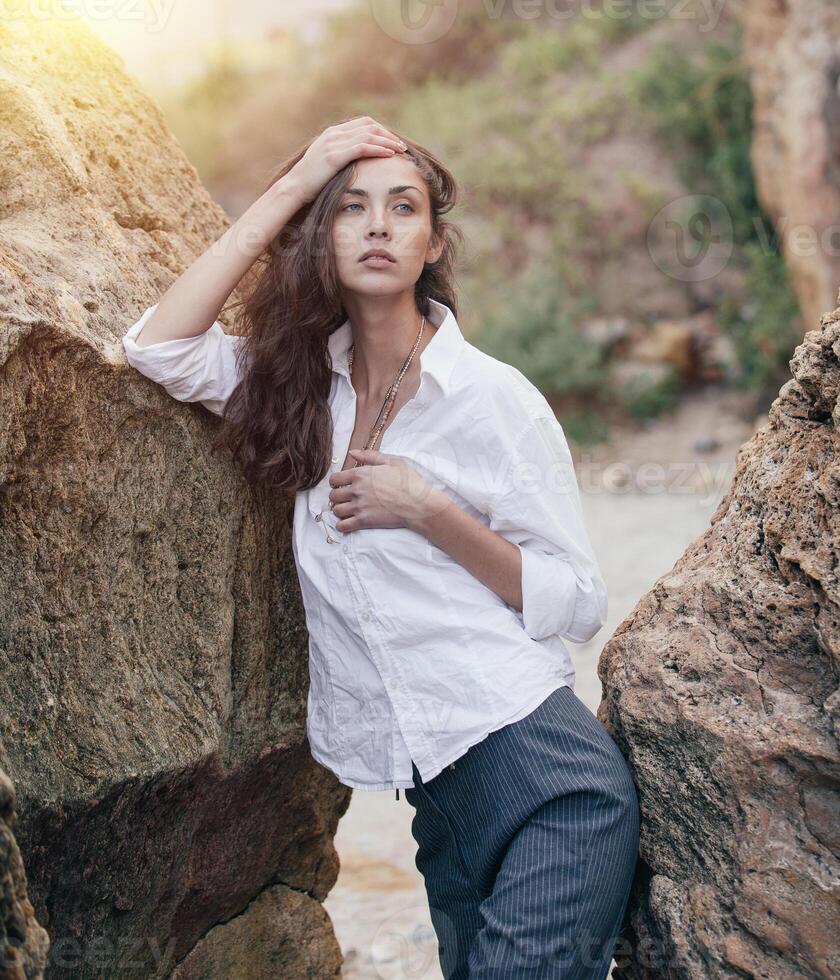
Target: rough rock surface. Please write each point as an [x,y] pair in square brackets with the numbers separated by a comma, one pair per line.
[792,50]
[285,925]
[153,650]
[23,942]
[722,689]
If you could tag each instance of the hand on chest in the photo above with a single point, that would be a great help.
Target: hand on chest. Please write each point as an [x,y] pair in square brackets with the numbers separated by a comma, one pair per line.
[422,429]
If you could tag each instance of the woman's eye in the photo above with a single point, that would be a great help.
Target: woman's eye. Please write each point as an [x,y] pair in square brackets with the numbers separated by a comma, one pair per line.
[355,204]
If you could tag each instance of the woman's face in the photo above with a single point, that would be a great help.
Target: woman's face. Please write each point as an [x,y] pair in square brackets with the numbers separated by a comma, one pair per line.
[385,207]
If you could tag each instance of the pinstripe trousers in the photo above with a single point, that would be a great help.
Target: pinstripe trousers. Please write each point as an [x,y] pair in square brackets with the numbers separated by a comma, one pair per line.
[527,845]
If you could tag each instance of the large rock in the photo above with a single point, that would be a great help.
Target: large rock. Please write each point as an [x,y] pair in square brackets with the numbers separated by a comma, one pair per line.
[792,50]
[722,688]
[153,650]
[23,942]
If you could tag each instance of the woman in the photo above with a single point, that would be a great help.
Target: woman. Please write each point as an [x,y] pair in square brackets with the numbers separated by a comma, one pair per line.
[439,542]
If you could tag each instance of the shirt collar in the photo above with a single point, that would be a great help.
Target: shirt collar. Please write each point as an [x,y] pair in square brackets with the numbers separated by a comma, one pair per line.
[437,359]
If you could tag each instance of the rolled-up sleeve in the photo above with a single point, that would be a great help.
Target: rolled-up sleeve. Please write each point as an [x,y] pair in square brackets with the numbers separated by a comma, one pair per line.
[205,368]
[538,508]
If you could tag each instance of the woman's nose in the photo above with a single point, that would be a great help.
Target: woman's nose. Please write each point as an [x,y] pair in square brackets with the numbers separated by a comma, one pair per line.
[379,218]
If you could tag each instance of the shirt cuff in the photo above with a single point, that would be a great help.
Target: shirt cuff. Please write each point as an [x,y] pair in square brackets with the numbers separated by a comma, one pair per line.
[549,593]
[148,356]
[200,368]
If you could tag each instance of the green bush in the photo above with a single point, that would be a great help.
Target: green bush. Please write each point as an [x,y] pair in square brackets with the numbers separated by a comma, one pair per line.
[555,47]
[585,427]
[762,331]
[532,326]
[646,398]
[702,108]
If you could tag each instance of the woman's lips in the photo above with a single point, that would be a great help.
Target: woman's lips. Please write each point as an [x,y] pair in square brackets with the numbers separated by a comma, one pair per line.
[377,261]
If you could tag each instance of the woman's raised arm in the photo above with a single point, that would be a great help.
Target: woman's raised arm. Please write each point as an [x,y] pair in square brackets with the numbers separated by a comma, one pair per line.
[179,342]
[194,300]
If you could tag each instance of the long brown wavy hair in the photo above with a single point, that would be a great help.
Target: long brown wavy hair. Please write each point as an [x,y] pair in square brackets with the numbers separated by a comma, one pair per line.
[277,421]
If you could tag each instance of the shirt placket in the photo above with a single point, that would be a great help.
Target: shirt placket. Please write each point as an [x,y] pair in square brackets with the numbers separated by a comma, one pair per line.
[364,605]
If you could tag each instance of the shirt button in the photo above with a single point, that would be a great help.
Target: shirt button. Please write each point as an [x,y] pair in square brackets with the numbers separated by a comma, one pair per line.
[366,616]
[344,548]
[335,459]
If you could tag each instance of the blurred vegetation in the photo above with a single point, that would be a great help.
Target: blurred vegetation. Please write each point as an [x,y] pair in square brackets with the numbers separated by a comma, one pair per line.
[525,113]
[532,327]
[761,329]
[540,55]
[648,397]
[702,109]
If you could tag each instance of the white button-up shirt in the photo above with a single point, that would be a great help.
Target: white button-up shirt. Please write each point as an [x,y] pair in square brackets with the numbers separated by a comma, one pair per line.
[411,657]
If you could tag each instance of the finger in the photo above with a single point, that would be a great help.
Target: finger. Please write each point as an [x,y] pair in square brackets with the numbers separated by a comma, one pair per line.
[371,456]
[341,478]
[340,496]
[371,131]
[370,125]
[388,140]
[382,132]
[362,128]
[348,524]
[344,510]
[356,123]
[373,145]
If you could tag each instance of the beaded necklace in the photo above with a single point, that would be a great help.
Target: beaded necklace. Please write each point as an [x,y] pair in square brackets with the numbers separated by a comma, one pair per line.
[382,418]
[391,396]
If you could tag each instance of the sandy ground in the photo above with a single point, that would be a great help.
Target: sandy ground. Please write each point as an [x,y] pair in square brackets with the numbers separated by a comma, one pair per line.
[645,495]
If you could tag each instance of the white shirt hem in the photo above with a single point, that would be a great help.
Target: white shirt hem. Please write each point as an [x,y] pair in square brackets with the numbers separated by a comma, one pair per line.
[518,715]
[355,784]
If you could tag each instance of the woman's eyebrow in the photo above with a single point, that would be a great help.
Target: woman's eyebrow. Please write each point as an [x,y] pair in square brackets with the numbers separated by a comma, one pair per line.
[399,189]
